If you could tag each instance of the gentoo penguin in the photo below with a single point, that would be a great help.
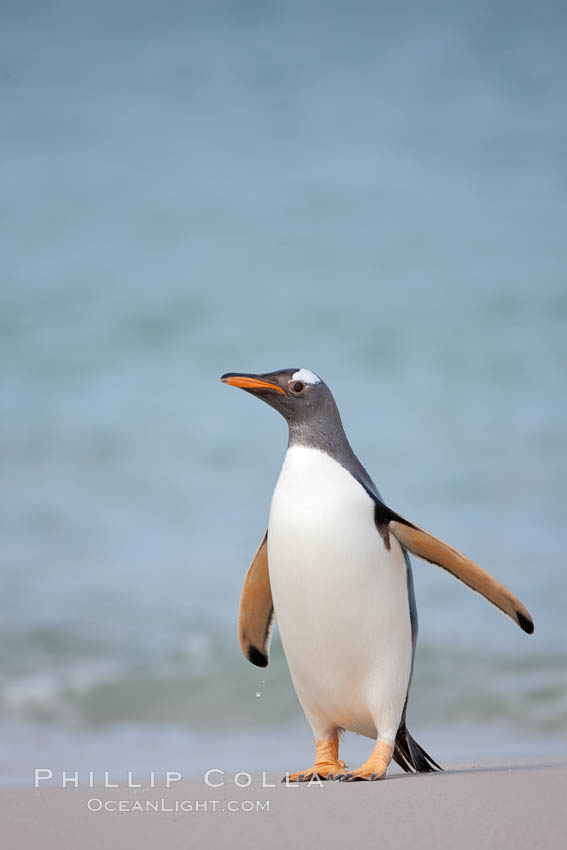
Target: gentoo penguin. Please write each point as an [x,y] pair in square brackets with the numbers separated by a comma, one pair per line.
[334,568]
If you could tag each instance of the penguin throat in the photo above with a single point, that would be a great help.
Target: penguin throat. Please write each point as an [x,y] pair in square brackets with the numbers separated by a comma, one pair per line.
[333,442]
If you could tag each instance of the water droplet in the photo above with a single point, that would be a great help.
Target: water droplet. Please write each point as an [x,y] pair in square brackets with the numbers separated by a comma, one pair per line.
[258,694]
[263,681]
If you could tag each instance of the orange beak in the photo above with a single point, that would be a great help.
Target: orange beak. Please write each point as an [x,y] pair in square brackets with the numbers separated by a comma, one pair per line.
[248,382]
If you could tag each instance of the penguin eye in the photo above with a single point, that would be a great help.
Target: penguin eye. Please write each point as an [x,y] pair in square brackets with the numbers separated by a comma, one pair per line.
[297,387]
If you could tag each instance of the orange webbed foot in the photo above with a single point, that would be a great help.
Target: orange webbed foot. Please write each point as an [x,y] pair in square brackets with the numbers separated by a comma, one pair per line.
[373,768]
[321,770]
[327,764]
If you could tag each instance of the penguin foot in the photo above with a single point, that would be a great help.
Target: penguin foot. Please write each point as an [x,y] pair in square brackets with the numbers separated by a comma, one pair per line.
[327,762]
[373,768]
[365,772]
[321,770]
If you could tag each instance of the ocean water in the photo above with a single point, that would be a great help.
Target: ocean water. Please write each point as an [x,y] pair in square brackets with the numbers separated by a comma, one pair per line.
[374,191]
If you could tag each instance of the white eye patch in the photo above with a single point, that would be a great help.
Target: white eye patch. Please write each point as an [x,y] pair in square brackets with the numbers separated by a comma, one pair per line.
[306,376]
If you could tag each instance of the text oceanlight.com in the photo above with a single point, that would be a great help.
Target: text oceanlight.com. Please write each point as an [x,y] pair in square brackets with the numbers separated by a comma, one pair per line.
[95,804]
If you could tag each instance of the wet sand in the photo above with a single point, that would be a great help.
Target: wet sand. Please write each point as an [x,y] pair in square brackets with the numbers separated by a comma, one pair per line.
[507,805]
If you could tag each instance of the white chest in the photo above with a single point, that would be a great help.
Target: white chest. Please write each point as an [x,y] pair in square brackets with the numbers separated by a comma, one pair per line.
[340,596]
[322,537]
[313,493]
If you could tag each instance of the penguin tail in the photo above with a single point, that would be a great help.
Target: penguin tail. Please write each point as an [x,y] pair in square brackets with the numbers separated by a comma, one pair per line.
[410,756]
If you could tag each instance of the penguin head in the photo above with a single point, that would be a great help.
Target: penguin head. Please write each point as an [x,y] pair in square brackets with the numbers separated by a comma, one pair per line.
[298,394]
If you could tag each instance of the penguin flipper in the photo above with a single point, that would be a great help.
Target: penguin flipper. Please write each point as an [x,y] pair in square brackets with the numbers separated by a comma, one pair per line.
[432,549]
[256,614]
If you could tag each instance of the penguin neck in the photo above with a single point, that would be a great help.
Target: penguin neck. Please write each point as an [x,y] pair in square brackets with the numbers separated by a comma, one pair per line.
[329,437]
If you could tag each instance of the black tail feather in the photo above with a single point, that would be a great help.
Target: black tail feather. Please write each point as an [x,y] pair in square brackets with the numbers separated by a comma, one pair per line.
[410,756]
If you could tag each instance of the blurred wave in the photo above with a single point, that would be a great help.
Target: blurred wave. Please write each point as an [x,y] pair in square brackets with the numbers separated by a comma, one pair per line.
[197,679]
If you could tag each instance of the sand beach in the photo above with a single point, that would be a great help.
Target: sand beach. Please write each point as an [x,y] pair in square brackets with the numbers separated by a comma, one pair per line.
[506,805]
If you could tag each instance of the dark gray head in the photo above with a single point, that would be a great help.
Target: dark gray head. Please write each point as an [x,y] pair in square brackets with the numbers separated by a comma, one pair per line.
[308,406]
[301,397]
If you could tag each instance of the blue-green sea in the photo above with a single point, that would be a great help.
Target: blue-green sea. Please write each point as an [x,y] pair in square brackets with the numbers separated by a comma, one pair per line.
[374,191]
